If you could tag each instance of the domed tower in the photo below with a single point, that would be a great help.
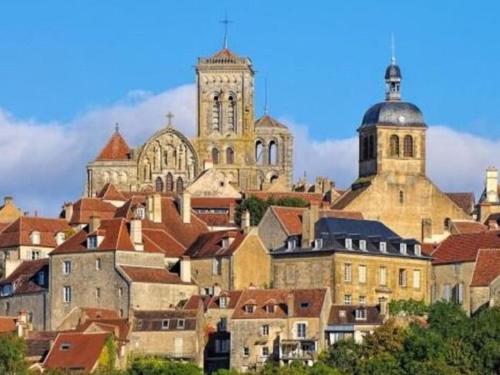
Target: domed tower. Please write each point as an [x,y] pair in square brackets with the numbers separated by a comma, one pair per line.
[392,133]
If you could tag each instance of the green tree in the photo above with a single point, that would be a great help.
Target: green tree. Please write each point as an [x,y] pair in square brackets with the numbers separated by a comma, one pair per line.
[388,338]
[449,319]
[380,364]
[343,355]
[12,351]
[257,207]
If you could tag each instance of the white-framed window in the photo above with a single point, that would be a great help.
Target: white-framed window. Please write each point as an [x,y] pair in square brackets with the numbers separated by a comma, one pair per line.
[416,279]
[318,244]
[246,351]
[360,314]
[264,330]
[347,299]
[348,243]
[35,238]
[98,264]
[418,250]
[382,276]
[217,266]
[402,248]
[223,302]
[347,272]
[362,274]
[362,300]
[181,323]
[67,267]
[383,247]
[458,293]
[301,329]
[249,308]
[165,323]
[291,244]
[270,308]
[403,278]
[35,254]
[60,238]
[67,294]
[362,245]
[92,242]
[140,213]
[265,351]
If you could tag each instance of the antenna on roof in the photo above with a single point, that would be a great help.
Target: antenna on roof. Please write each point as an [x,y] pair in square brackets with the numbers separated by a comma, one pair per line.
[226,22]
[266,109]
[393,49]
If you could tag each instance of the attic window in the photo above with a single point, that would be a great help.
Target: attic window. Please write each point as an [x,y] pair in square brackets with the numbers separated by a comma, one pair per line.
[181,323]
[35,238]
[65,346]
[140,213]
[60,237]
[92,242]
[383,247]
[270,308]
[223,302]
[348,243]
[362,245]
[402,248]
[418,250]
[318,244]
[304,305]
[360,314]
[291,244]
[249,308]
[165,323]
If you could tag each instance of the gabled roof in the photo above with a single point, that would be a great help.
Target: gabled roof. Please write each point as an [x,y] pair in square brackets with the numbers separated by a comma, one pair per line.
[349,195]
[116,149]
[459,248]
[76,351]
[151,275]
[487,267]
[267,121]
[463,200]
[109,192]
[23,277]
[85,208]
[346,314]
[467,226]
[307,303]
[151,321]
[7,324]
[210,244]
[18,233]
[120,327]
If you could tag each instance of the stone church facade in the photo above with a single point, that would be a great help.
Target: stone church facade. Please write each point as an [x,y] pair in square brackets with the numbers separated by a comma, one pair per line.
[250,154]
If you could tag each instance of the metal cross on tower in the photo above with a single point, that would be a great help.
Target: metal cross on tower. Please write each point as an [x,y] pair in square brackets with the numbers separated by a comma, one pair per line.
[226,22]
[169,116]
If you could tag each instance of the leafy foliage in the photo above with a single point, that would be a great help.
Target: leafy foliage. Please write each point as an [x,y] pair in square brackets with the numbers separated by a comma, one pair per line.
[408,307]
[12,351]
[159,366]
[257,207]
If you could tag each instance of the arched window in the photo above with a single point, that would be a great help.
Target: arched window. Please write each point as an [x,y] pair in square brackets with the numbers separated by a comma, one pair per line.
[231,113]
[169,182]
[273,153]
[394,145]
[216,113]
[371,147]
[179,185]
[401,197]
[229,156]
[215,156]
[259,153]
[273,179]
[159,184]
[408,146]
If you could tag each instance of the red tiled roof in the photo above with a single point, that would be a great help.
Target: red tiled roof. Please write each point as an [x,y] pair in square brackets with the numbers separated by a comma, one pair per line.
[83,352]
[464,247]
[116,149]
[22,279]
[151,275]
[462,226]
[18,233]
[210,244]
[7,324]
[209,202]
[463,200]
[119,327]
[159,240]
[487,267]
[307,303]
[84,208]
[314,198]
[93,313]
[110,192]
[216,219]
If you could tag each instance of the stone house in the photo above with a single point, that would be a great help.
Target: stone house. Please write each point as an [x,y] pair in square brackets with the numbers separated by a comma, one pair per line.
[361,261]
[453,265]
[30,238]
[220,261]
[485,284]
[9,212]
[173,334]
[26,289]
[123,265]
[278,324]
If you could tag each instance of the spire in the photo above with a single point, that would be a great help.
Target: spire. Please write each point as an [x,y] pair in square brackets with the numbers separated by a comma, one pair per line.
[393,50]
[226,22]
[266,109]
[393,77]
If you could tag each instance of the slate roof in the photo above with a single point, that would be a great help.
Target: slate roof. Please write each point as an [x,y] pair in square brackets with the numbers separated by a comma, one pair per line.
[116,149]
[459,248]
[23,279]
[346,315]
[18,233]
[151,275]
[487,267]
[152,321]
[210,244]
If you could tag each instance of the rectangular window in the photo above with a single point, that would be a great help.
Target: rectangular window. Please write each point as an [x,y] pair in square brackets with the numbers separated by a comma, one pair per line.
[347,299]
[362,300]
[217,266]
[120,292]
[383,276]
[347,272]
[362,274]
[97,293]
[457,293]
[416,279]
[301,330]
[223,324]
[92,242]
[67,294]
[348,243]
[383,247]
[362,245]
[265,351]
[246,351]
[165,323]
[181,323]
[418,250]
[223,302]
[67,267]
[35,254]
[447,292]
[360,314]
[402,248]
[98,264]
[265,330]
[403,278]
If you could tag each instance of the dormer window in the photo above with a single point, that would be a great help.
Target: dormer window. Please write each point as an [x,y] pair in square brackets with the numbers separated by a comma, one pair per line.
[318,244]
[223,302]
[181,323]
[35,238]
[418,250]
[362,245]
[360,314]
[165,323]
[92,242]
[140,213]
[226,242]
[60,238]
[270,308]
[249,308]
[291,244]
[402,248]
[348,243]
[40,278]
[383,247]
[7,290]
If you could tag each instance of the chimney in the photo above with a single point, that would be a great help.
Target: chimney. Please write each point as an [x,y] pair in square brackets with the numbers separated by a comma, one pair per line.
[94,223]
[208,164]
[232,212]
[136,234]
[153,207]
[68,210]
[309,218]
[185,203]
[492,185]
[7,200]
[384,307]
[22,325]
[290,304]
[245,221]
[217,290]
[186,269]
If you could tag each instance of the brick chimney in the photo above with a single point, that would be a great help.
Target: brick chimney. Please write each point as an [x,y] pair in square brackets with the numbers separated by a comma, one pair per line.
[245,221]
[309,218]
[290,304]
[94,223]
[153,208]
[492,185]
[186,269]
[185,206]
[136,234]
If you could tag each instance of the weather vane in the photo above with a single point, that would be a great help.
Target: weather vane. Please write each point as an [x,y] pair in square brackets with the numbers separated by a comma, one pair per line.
[226,22]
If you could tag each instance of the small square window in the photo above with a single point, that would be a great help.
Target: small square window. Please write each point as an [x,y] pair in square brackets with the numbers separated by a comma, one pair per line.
[165,323]
[347,299]
[265,351]
[246,351]
[181,324]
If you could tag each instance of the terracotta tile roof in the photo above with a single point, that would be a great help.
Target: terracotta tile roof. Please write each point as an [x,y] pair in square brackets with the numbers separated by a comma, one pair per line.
[18,233]
[151,275]
[487,267]
[7,324]
[210,244]
[93,313]
[3,226]
[150,321]
[291,217]
[346,314]
[158,240]
[116,149]
[119,327]
[194,302]
[307,303]
[216,220]
[225,55]
[84,208]
[126,210]
[76,351]
[463,200]
[109,192]
[349,196]
[269,122]
[314,198]
[467,226]
[464,247]
[233,298]
[209,202]
[428,248]
[23,277]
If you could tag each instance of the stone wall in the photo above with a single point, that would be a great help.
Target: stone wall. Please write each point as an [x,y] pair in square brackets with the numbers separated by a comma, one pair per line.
[271,232]
[202,273]
[452,275]
[155,296]
[35,304]
[251,264]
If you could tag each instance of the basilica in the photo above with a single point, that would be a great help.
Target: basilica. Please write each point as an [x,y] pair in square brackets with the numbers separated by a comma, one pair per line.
[246,153]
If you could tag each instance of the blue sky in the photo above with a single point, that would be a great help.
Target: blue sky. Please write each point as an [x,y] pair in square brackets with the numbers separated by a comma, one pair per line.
[324,60]
[70,69]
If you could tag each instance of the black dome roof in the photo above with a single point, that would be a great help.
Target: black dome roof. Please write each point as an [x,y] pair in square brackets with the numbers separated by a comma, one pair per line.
[393,71]
[393,113]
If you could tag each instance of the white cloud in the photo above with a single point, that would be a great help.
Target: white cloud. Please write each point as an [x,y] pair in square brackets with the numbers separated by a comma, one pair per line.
[43,164]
